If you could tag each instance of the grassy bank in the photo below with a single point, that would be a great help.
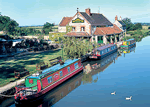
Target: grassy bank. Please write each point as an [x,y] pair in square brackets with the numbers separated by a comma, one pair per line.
[7,66]
[137,34]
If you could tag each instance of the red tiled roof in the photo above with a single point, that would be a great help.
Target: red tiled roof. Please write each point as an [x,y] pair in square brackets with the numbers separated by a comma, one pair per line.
[77,34]
[107,30]
[117,28]
[65,21]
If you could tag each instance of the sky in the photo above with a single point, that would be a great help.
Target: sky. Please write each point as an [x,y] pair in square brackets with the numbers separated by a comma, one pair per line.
[38,12]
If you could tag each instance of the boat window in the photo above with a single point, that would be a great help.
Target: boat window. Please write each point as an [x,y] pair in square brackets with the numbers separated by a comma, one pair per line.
[31,81]
[76,84]
[76,65]
[68,69]
[61,73]
[50,79]
[61,94]
[111,48]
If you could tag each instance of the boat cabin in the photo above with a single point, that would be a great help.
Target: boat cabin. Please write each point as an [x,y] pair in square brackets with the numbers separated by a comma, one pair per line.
[103,51]
[50,75]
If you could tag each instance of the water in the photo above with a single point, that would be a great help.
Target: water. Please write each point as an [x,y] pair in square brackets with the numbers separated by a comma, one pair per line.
[128,75]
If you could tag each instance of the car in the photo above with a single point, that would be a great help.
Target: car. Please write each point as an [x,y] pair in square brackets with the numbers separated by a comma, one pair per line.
[49,42]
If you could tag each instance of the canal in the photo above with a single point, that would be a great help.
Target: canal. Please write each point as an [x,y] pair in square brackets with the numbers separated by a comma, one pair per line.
[127,74]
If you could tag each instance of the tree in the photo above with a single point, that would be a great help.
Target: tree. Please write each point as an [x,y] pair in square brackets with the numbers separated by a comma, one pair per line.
[8,25]
[137,26]
[129,24]
[47,27]
[76,48]
[148,27]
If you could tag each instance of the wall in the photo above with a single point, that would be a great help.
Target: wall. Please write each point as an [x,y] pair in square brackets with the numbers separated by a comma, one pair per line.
[62,29]
[79,25]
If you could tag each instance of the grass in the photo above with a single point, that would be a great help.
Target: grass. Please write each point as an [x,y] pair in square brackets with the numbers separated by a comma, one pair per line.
[54,28]
[7,66]
[138,34]
[145,27]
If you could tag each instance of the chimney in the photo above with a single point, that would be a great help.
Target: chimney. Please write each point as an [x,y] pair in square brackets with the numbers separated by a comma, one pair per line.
[116,18]
[88,11]
[120,18]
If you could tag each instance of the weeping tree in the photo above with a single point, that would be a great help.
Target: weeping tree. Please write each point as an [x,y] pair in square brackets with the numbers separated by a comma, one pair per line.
[75,48]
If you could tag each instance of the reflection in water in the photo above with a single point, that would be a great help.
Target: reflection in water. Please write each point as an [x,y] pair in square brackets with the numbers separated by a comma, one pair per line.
[128,50]
[57,93]
[96,67]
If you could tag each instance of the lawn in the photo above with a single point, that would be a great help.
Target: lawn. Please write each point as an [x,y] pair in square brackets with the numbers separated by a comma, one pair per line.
[7,66]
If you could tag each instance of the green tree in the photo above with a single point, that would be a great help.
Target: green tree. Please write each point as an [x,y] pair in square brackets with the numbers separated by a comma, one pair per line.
[137,26]
[75,48]
[47,28]
[8,25]
[129,24]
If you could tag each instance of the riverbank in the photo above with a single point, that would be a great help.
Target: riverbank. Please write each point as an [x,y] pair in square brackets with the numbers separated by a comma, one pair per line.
[137,34]
[24,60]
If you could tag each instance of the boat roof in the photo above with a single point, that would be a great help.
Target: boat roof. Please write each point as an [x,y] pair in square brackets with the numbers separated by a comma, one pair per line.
[130,39]
[54,68]
[104,47]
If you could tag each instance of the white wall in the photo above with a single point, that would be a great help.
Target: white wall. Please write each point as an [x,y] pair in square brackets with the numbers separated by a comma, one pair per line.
[61,28]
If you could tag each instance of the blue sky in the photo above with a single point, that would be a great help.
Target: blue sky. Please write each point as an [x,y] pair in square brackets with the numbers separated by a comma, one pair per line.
[38,12]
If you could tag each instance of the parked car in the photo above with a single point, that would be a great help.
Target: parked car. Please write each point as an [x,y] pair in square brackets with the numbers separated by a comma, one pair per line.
[49,42]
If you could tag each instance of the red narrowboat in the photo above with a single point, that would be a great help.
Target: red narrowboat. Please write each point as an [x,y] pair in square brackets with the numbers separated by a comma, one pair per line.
[103,51]
[38,84]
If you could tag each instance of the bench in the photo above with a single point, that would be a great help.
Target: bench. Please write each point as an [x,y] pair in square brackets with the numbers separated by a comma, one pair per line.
[41,66]
[21,73]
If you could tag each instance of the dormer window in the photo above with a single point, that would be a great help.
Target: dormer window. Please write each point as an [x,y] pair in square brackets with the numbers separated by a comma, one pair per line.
[73,28]
[82,29]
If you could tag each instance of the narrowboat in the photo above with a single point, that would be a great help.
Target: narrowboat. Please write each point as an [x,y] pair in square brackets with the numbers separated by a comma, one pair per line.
[128,44]
[38,84]
[103,51]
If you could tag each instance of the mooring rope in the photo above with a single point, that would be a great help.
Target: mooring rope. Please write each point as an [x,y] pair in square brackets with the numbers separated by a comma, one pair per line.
[6,95]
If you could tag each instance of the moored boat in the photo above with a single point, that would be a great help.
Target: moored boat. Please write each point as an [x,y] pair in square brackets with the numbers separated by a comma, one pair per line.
[38,84]
[128,44]
[103,51]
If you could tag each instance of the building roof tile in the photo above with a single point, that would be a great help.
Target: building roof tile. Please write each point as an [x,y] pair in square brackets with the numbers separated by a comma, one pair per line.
[65,21]
[107,30]
[97,19]
[78,34]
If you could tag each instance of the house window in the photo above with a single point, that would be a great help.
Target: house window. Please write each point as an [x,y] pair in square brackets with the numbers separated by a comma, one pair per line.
[61,73]
[68,69]
[73,28]
[82,28]
[50,79]
[76,65]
